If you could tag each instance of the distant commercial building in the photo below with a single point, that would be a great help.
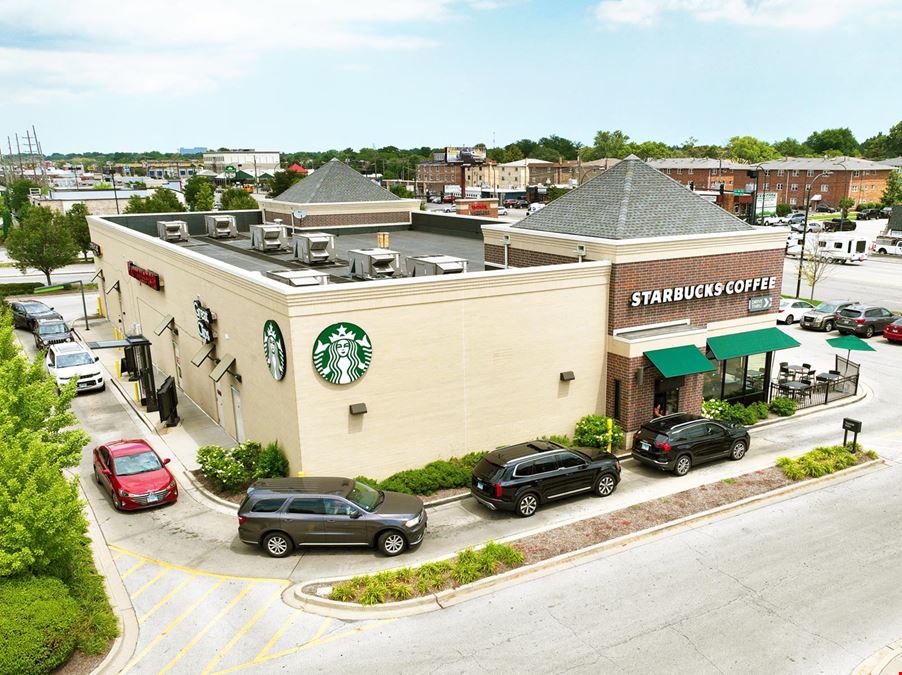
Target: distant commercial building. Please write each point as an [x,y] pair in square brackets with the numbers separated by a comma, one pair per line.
[248,160]
[192,151]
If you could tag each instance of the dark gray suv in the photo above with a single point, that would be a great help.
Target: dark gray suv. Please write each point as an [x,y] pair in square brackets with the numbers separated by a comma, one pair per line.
[282,513]
[823,317]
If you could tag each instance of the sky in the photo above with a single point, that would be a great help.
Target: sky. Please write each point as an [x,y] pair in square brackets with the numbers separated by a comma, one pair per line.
[105,75]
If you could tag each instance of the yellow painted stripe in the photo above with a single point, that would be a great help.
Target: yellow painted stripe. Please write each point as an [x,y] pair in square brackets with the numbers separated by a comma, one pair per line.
[170,566]
[165,599]
[117,555]
[131,569]
[282,630]
[197,638]
[244,629]
[149,583]
[306,645]
[153,643]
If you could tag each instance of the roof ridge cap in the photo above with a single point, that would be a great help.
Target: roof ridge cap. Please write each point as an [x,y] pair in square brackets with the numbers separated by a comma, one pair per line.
[627,194]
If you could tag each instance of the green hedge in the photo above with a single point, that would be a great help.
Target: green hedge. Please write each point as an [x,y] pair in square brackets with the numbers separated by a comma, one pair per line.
[822,461]
[783,406]
[18,288]
[737,413]
[233,469]
[39,622]
[441,474]
[592,432]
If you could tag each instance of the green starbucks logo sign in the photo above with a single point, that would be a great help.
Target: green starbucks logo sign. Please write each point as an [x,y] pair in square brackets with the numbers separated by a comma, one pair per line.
[342,353]
[274,349]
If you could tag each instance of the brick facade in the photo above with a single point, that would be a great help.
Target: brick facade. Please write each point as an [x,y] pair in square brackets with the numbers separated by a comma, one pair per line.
[518,257]
[334,219]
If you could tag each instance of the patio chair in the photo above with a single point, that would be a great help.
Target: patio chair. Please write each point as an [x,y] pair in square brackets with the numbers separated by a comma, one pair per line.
[806,366]
[806,392]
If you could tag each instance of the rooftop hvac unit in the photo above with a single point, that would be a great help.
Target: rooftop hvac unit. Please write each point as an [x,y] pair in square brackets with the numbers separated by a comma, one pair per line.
[267,237]
[431,265]
[172,230]
[299,277]
[374,263]
[314,247]
[221,227]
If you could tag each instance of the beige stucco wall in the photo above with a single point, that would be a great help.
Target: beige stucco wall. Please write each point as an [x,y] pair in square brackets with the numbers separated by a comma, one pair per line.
[402,206]
[460,363]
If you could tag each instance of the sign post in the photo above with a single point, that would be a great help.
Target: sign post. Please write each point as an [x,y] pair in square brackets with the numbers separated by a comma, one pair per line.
[848,424]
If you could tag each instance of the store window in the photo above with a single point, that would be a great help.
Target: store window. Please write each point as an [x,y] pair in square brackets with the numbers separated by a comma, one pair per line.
[734,377]
[713,381]
[756,368]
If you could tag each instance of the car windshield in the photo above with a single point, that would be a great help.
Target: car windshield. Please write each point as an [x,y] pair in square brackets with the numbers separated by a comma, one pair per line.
[52,328]
[364,496]
[140,462]
[76,359]
[35,307]
[827,308]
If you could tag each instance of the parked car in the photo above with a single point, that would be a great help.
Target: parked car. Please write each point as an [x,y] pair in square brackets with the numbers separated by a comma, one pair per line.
[790,310]
[680,441]
[839,225]
[535,207]
[823,317]
[502,211]
[26,312]
[796,217]
[280,514]
[870,214]
[510,203]
[451,208]
[522,204]
[50,331]
[72,359]
[893,332]
[134,475]
[434,199]
[813,226]
[824,208]
[520,478]
[448,199]
[864,320]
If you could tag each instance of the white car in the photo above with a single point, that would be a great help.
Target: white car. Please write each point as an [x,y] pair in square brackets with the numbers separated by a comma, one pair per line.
[535,207]
[502,211]
[791,310]
[72,359]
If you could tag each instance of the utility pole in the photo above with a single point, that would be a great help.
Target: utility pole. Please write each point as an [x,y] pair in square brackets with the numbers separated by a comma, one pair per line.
[19,153]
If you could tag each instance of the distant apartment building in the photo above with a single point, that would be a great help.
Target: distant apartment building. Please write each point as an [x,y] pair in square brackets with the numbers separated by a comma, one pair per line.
[702,173]
[433,176]
[248,160]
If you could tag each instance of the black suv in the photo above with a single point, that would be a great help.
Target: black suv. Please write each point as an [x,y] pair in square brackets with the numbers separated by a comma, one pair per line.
[870,214]
[520,477]
[676,442]
[50,332]
[26,312]
[282,513]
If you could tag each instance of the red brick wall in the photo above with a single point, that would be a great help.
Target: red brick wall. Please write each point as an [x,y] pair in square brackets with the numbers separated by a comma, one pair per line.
[332,220]
[656,274]
[518,257]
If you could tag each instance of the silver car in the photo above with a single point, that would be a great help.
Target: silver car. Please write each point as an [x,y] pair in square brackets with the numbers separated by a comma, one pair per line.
[823,317]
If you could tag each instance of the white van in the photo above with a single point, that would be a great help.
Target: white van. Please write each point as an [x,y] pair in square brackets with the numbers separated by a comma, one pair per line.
[534,207]
[841,247]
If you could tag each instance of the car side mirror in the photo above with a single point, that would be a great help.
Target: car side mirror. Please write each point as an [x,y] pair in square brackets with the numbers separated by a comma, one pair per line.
[106,472]
[166,460]
[354,514]
[96,359]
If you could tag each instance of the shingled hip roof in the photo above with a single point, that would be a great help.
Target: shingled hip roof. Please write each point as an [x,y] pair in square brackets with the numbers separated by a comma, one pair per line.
[335,182]
[632,200]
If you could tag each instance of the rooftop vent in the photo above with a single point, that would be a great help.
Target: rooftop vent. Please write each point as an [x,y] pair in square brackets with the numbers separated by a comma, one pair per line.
[313,247]
[221,227]
[374,263]
[299,277]
[172,230]
[267,237]
[431,265]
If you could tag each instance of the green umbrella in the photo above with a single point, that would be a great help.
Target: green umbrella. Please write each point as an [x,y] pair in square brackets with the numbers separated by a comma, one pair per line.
[850,343]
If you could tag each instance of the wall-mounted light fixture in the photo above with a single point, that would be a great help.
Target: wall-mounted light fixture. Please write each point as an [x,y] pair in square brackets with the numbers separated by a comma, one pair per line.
[358,408]
[567,376]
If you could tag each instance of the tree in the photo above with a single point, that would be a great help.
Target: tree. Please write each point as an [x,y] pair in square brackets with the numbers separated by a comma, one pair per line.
[42,240]
[876,147]
[894,141]
[77,220]
[750,149]
[840,141]
[237,198]
[203,200]
[650,150]
[845,204]
[161,201]
[18,192]
[790,147]
[513,153]
[611,144]
[892,195]
[192,187]
[783,210]
[814,266]
[401,191]
[282,180]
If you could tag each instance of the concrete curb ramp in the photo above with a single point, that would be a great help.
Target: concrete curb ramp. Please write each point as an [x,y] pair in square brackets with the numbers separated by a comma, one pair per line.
[443,599]
[879,663]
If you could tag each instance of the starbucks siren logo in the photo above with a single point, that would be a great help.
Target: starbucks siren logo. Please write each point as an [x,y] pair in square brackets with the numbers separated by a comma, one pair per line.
[342,353]
[274,349]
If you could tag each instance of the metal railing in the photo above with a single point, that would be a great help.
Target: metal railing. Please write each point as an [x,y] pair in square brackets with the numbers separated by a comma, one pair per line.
[819,392]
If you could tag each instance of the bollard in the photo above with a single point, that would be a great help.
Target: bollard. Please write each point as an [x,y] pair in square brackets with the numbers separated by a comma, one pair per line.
[610,432]
[99,307]
[300,474]
[118,369]
[137,394]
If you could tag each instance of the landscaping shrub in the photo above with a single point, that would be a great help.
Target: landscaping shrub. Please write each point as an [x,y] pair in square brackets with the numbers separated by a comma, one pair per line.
[438,475]
[736,413]
[247,453]
[822,461]
[39,622]
[272,462]
[560,440]
[18,288]
[224,471]
[592,432]
[783,406]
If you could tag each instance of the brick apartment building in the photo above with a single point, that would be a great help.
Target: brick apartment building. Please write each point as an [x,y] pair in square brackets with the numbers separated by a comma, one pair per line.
[433,176]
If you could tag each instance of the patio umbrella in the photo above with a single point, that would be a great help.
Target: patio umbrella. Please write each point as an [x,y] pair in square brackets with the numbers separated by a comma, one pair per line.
[850,343]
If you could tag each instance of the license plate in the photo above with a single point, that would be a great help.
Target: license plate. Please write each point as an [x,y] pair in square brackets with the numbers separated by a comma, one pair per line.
[644,445]
[479,484]
[152,498]
[82,385]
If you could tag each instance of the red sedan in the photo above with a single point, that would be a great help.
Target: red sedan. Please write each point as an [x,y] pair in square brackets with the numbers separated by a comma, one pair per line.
[893,332]
[134,475]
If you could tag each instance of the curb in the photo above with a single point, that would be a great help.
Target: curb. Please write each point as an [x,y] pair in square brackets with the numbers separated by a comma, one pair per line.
[876,663]
[443,599]
[233,507]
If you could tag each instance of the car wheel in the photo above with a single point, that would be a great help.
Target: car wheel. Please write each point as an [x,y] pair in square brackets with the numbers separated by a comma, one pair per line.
[828,326]
[881,250]
[392,543]
[605,485]
[682,466]
[277,544]
[527,504]
[869,331]
[738,450]
[117,503]
[789,319]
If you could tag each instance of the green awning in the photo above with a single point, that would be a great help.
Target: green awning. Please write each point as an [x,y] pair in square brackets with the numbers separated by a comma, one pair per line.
[243,175]
[677,361]
[750,342]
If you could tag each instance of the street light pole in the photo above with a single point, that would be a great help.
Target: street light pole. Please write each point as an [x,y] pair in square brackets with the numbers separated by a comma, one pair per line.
[113,179]
[805,228]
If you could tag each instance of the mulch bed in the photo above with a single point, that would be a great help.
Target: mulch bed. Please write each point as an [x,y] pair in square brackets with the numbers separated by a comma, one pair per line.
[234,497]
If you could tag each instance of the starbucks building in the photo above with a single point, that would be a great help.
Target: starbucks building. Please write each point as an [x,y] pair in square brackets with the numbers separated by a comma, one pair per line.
[371,348]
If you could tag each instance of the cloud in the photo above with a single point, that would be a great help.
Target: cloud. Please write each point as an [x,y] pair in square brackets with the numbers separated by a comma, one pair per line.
[72,49]
[775,14]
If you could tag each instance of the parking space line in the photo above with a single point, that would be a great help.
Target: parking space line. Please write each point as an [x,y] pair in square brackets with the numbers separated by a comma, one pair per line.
[197,638]
[244,629]
[162,563]
[132,569]
[281,631]
[166,599]
[306,645]
[149,583]
[181,617]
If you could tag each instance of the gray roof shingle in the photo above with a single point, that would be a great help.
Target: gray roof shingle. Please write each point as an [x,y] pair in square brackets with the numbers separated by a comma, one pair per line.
[629,201]
[334,182]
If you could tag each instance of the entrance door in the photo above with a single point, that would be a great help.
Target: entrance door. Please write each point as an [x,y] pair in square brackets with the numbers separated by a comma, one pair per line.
[239,420]
[178,362]
[220,412]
